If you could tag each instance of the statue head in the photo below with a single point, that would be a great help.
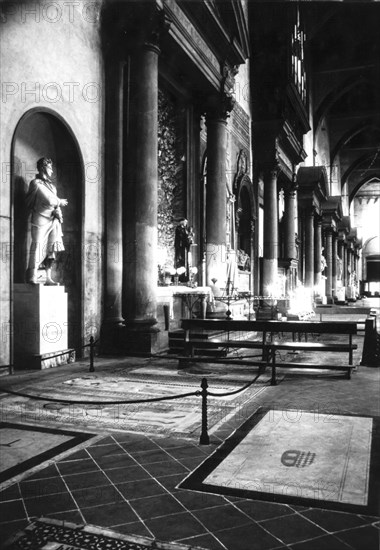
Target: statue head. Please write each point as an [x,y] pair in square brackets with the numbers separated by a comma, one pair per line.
[45,166]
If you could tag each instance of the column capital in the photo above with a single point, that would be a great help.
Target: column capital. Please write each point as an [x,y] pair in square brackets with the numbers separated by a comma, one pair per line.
[148,30]
[159,26]
[293,185]
[271,167]
[219,106]
[308,210]
[290,192]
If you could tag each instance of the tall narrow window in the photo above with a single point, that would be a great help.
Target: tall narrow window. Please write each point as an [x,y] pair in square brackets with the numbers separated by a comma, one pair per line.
[298,57]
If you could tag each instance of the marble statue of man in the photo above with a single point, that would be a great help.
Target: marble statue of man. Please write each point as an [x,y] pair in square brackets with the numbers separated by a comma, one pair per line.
[46,222]
[183,239]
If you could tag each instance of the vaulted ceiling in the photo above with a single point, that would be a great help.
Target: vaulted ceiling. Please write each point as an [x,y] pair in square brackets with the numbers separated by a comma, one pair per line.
[344,58]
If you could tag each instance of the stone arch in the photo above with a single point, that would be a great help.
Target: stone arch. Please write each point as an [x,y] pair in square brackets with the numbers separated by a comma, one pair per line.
[370,177]
[40,133]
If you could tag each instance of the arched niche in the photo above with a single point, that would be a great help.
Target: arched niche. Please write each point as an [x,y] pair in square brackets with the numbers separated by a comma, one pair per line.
[245,212]
[245,222]
[41,133]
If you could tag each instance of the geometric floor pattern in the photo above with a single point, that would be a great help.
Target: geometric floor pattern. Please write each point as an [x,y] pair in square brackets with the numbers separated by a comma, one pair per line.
[23,447]
[128,483]
[45,534]
[295,456]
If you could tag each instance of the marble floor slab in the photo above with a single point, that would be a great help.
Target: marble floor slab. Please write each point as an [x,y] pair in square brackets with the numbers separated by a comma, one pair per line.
[297,456]
[22,447]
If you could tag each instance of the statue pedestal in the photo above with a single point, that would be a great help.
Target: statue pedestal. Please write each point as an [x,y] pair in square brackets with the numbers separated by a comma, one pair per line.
[341,295]
[40,327]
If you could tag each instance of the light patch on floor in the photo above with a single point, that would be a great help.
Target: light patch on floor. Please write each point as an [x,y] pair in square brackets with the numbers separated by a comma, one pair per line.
[302,454]
[17,446]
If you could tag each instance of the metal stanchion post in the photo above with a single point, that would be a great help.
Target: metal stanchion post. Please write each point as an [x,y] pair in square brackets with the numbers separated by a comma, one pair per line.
[204,439]
[272,352]
[92,349]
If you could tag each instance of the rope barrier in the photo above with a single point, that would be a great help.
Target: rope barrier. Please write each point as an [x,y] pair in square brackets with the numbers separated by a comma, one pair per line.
[81,402]
[204,393]
[235,391]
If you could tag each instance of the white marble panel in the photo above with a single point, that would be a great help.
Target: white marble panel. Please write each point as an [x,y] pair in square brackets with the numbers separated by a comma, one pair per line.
[302,454]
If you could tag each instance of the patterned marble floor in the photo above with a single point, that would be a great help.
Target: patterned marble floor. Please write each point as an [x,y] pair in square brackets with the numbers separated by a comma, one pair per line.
[129,482]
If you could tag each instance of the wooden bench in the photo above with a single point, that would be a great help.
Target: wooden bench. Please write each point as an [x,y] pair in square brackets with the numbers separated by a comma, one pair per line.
[348,328]
[191,345]
[269,348]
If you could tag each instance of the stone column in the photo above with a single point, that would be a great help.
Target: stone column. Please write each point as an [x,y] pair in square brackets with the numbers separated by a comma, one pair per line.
[270,252]
[309,247]
[113,201]
[216,203]
[334,263]
[290,251]
[329,261]
[140,199]
[317,251]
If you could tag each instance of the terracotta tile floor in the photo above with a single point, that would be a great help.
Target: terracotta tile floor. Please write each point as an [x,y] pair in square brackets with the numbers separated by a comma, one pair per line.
[127,482]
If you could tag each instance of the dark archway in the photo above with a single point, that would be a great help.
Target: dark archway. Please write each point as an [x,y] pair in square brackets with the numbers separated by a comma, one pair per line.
[41,133]
[245,226]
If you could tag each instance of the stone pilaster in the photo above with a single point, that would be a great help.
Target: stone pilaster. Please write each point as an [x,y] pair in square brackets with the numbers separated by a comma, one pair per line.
[345,265]
[113,201]
[340,253]
[349,262]
[357,263]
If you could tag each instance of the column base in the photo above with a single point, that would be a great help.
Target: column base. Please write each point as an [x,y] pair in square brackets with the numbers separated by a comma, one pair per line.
[267,312]
[44,360]
[270,276]
[109,336]
[132,339]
